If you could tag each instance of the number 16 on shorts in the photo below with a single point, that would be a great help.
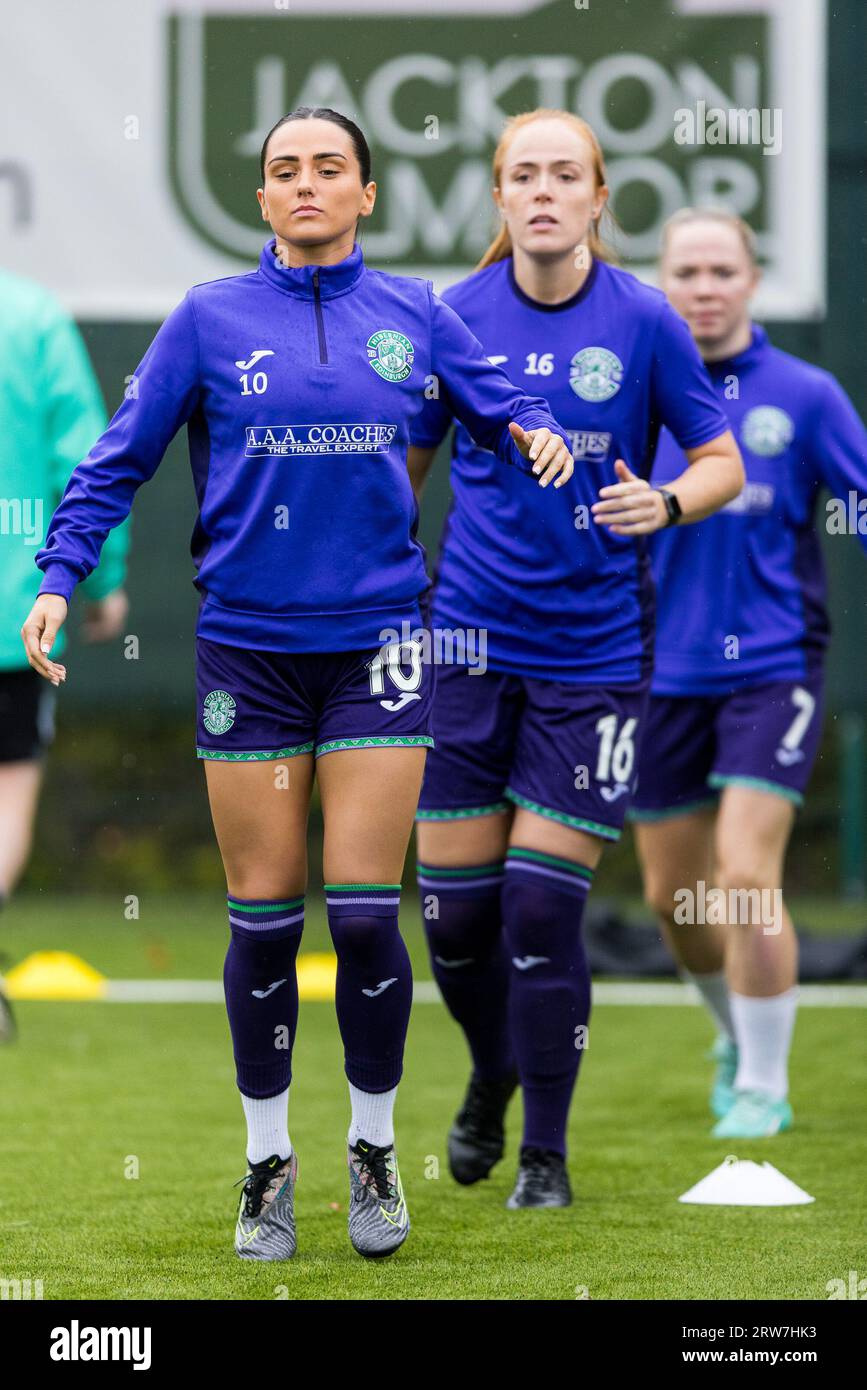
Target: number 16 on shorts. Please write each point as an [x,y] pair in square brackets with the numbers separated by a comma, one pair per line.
[616,755]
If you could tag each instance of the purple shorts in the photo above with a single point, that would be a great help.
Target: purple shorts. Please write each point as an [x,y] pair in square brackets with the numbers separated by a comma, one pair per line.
[764,736]
[565,751]
[255,705]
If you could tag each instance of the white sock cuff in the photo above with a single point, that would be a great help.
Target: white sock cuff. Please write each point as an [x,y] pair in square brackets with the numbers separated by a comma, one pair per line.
[372,1116]
[787,995]
[764,1026]
[267,1126]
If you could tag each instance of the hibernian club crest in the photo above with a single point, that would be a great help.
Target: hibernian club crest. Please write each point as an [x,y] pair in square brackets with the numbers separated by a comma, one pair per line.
[390,354]
[218,712]
[595,374]
[767,430]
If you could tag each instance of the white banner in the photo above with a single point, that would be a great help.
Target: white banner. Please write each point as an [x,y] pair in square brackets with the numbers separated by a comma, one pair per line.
[131,129]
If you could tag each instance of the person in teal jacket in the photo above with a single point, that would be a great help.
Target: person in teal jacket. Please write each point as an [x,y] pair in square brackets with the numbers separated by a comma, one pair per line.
[51,411]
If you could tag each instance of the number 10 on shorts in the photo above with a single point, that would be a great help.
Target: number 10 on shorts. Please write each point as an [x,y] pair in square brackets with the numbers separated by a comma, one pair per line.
[388,662]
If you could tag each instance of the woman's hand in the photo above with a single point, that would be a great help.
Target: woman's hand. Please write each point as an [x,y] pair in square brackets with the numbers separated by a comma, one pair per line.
[38,634]
[546,451]
[631,507]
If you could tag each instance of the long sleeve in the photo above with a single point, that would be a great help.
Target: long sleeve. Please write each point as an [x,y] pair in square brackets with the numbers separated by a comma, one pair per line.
[839,449]
[99,494]
[479,393]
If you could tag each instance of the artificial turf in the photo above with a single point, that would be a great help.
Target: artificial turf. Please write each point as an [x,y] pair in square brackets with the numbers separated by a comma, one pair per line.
[121,1135]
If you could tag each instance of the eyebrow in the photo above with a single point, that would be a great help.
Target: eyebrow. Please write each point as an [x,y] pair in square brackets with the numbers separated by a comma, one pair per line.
[329,154]
[530,164]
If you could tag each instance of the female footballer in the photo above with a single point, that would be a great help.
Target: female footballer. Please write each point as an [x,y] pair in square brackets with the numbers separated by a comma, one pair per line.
[535,757]
[298,383]
[735,715]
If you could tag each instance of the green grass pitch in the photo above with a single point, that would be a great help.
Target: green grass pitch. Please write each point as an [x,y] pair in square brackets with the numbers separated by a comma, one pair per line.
[91,1089]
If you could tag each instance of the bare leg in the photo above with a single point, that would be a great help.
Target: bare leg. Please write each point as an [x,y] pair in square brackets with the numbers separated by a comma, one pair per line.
[260,812]
[19,795]
[458,843]
[530,831]
[762,958]
[677,853]
[369,799]
[751,840]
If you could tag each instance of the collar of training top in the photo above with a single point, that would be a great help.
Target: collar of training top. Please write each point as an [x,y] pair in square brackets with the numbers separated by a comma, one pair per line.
[758,343]
[298,280]
[576,298]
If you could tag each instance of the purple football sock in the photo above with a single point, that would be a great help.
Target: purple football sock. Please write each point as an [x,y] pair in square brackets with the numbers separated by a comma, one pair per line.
[262,991]
[549,995]
[462,919]
[374,981]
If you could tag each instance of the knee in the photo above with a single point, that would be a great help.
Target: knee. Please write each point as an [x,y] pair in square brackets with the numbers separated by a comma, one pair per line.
[741,869]
[249,949]
[360,938]
[535,919]
[751,893]
[257,887]
[659,893]
[452,923]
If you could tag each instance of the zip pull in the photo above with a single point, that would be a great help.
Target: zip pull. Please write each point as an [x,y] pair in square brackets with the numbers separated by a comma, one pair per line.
[320,324]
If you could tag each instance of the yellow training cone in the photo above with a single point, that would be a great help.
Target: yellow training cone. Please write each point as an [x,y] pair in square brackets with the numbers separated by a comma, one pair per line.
[317,973]
[54,975]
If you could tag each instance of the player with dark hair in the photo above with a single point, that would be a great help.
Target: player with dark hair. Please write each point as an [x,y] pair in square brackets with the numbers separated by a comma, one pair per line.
[299,383]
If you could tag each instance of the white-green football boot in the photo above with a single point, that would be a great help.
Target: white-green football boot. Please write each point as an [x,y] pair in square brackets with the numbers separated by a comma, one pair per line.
[378,1218]
[725,1053]
[754,1115]
[265,1229]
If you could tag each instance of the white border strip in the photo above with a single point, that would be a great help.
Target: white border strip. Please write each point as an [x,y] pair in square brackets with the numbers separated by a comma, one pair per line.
[630,993]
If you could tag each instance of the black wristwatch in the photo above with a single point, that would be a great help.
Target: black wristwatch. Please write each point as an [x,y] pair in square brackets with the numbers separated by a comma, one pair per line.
[672,506]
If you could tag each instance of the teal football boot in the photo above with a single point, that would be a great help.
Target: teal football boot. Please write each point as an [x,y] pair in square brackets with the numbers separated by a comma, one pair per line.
[754,1115]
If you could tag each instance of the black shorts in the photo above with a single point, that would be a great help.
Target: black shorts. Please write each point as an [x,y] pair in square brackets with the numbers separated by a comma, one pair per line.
[27,705]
